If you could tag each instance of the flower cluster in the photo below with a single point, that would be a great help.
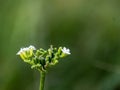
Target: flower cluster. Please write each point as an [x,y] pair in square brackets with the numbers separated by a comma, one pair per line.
[42,59]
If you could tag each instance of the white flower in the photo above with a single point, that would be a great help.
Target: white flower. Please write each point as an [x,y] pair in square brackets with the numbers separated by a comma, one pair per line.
[19,52]
[26,52]
[32,47]
[66,51]
[27,49]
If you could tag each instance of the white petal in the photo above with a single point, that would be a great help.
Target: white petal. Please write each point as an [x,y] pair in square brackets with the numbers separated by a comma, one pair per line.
[65,50]
[32,47]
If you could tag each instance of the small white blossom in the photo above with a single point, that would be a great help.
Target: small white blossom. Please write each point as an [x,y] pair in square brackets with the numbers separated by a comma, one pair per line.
[22,50]
[32,47]
[26,52]
[66,51]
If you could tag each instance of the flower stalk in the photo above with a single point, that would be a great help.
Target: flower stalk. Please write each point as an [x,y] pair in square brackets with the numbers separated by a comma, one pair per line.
[42,80]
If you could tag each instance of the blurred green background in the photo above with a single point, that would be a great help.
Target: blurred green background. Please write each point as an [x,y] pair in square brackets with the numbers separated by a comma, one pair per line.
[90,28]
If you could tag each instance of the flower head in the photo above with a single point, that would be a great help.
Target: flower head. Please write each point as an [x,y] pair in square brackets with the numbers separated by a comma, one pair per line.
[42,59]
[66,51]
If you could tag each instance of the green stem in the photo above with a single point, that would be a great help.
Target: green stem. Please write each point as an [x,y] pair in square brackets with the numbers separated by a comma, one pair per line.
[42,80]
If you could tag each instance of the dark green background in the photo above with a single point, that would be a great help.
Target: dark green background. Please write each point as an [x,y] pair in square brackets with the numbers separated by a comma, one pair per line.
[90,28]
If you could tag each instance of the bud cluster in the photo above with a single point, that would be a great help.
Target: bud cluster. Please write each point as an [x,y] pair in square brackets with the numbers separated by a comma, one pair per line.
[42,59]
